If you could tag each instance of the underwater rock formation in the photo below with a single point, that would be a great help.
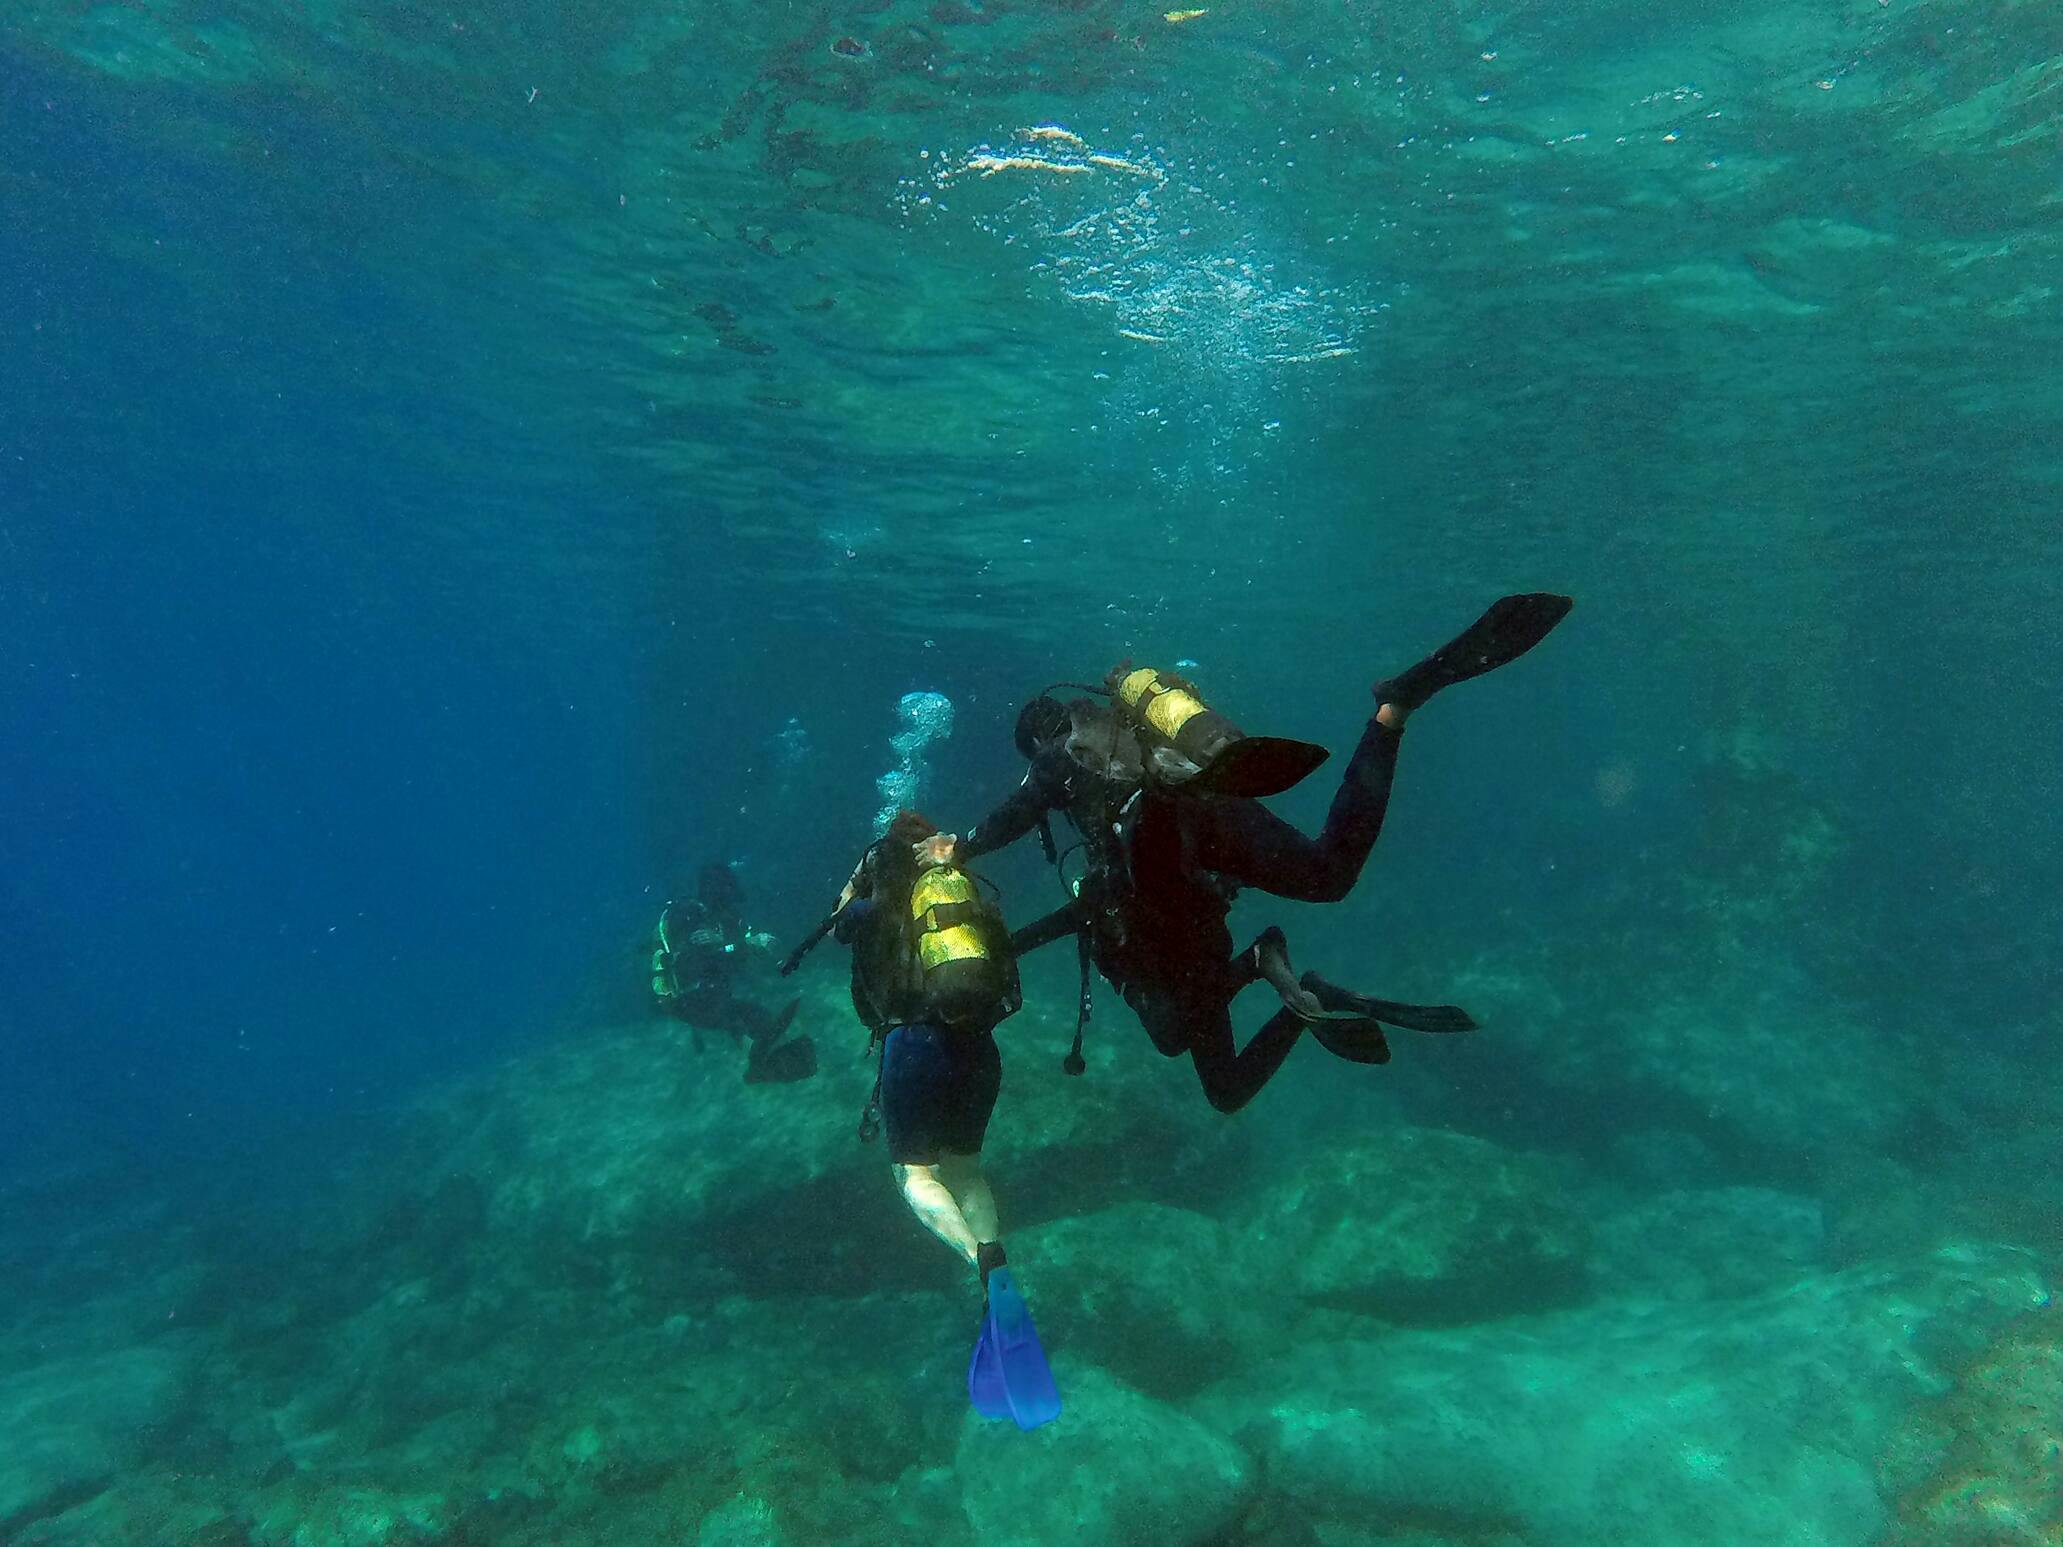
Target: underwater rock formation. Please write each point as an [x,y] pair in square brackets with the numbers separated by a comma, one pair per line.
[607,1292]
[1711,1243]
[69,1426]
[1120,1469]
[1701,1426]
[1414,1224]
[1989,1456]
[1164,1298]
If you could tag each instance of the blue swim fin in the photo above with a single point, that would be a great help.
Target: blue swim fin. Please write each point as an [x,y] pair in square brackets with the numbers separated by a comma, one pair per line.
[985,1375]
[1008,1376]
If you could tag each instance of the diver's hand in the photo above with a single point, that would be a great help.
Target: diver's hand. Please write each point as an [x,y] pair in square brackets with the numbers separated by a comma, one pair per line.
[938,849]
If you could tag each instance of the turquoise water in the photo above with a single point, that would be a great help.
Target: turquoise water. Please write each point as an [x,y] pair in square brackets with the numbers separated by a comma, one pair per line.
[462,468]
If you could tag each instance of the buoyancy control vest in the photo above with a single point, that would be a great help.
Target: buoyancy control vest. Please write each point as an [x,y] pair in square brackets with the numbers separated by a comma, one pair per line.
[940,955]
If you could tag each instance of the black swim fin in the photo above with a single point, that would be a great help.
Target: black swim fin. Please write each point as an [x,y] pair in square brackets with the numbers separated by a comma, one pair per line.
[1408,1017]
[1438,1018]
[770,1061]
[1357,1039]
[1254,766]
[1512,626]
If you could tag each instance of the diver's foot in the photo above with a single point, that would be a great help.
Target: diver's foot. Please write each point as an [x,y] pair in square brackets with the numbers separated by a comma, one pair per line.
[989,1256]
[1512,626]
[1331,995]
[1268,959]
[1435,1018]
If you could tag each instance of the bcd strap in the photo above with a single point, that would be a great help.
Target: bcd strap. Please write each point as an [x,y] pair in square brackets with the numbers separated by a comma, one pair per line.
[870,1114]
[950,915]
[1074,1063]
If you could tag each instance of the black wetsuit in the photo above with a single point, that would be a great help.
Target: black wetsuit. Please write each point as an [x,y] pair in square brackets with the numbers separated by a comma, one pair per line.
[705,964]
[1162,871]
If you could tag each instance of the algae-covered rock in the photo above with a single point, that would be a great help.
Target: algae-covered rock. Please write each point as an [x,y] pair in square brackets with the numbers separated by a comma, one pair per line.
[744,1520]
[1721,1241]
[1623,1425]
[1165,1298]
[67,1426]
[621,1163]
[1754,1075]
[1115,1468]
[340,1515]
[150,1505]
[1995,1444]
[1416,1224]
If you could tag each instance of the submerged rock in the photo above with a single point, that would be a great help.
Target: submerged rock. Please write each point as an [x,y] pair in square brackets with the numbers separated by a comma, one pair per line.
[1753,1076]
[1117,1468]
[1710,1243]
[742,1521]
[344,1516]
[1165,1298]
[1988,1459]
[1702,1426]
[1417,1224]
[69,1426]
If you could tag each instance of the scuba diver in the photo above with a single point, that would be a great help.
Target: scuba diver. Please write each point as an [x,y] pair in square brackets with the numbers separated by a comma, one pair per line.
[699,951]
[933,975]
[1165,794]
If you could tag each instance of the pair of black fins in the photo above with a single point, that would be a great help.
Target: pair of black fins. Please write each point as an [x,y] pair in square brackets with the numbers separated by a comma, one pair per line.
[1008,1376]
[1347,1024]
[1350,1025]
[1258,766]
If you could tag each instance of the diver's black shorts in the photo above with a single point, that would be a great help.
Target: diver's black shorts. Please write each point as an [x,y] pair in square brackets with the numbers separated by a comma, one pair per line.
[938,1089]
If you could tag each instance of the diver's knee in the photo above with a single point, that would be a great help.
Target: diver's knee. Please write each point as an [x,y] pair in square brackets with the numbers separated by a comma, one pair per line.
[1321,886]
[1225,1098]
[915,1178]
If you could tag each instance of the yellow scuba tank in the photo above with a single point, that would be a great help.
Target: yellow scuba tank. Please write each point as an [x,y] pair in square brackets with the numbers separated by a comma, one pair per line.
[1168,712]
[1194,749]
[962,955]
[941,895]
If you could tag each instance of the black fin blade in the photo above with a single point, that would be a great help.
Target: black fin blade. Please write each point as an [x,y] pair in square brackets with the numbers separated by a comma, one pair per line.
[1255,766]
[1419,1017]
[1358,1041]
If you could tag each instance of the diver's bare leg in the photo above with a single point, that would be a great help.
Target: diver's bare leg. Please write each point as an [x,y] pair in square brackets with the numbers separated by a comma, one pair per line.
[963,1175]
[934,1205]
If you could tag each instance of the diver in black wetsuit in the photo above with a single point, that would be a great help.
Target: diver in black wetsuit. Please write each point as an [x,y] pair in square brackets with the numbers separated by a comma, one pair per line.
[700,949]
[1165,798]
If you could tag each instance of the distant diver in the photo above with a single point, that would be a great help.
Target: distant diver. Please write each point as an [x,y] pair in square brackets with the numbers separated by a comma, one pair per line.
[1165,793]
[699,953]
[933,975]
